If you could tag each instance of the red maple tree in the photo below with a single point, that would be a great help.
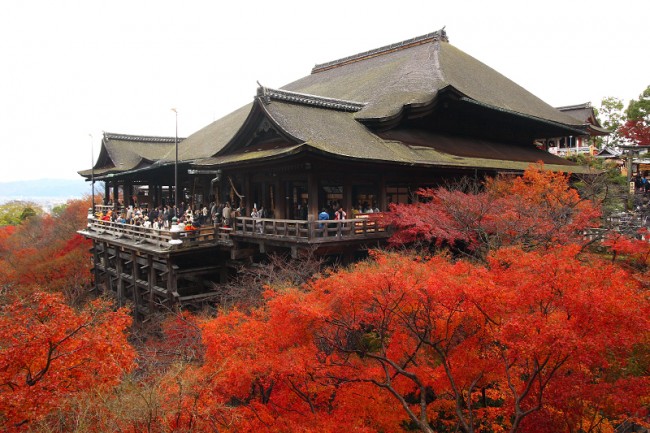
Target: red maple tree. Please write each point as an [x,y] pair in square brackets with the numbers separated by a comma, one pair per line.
[537,209]
[45,252]
[637,131]
[49,352]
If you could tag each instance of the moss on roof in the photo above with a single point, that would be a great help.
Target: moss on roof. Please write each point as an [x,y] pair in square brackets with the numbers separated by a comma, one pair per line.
[207,141]
[121,153]
[415,75]
[338,134]
[383,84]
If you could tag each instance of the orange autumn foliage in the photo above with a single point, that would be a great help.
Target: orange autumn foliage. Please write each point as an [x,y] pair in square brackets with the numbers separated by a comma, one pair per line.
[538,209]
[49,353]
[45,252]
[522,344]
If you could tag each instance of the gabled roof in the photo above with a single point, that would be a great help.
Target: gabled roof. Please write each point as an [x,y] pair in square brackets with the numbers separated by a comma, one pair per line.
[343,107]
[122,153]
[384,84]
[305,123]
[411,73]
[585,113]
[609,152]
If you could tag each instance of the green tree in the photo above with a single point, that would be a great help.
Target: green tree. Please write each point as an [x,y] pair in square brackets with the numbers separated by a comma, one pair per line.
[28,212]
[14,212]
[640,109]
[611,116]
[637,127]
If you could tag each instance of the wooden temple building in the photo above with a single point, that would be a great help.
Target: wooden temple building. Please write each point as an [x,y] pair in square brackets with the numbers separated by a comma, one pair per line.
[578,144]
[364,130]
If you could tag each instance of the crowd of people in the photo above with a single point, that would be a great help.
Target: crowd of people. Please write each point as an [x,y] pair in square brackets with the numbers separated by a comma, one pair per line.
[214,214]
[162,217]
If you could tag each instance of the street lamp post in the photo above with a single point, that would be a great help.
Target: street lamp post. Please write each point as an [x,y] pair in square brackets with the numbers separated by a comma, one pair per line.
[176,165]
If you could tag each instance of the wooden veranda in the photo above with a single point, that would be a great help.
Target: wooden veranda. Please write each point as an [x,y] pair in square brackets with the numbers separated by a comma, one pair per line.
[157,269]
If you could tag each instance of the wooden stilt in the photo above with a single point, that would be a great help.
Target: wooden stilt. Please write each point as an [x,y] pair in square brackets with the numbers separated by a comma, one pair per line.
[120,281]
[135,272]
[151,280]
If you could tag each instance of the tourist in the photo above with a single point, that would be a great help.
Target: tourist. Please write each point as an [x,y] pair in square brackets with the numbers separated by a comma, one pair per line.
[227,214]
[323,216]
[256,215]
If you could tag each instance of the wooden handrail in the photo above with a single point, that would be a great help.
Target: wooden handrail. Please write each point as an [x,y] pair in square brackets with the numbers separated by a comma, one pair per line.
[158,237]
[257,228]
[320,231]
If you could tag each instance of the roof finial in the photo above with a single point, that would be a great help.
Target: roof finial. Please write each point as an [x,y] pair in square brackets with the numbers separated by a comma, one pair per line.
[263,94]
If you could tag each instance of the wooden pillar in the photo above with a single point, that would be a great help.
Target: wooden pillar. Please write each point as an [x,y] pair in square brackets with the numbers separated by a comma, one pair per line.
[120,281]
[151,196]
[136,289]
[115,195]
[264,197]
[108,283]
[382,200]
[172,283]
[107,195]
[127,192]
[247,205]
[151,281]
[347,196]
[312,192]
[281,200]
[207,191]
[117,202]
[223,274]
[96,263]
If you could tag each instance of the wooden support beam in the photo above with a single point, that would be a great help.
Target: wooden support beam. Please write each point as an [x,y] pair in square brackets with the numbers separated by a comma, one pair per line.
[172,282]
[151,280]
[196,271]
[108,283]
[120,281]
[312,192]
[382,202]
[96,261]
[135,271]
[347,196]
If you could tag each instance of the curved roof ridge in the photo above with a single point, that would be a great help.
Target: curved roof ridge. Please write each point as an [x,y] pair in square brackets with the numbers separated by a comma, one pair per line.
[438,35]
[140,138]
[267,94]
[575,107]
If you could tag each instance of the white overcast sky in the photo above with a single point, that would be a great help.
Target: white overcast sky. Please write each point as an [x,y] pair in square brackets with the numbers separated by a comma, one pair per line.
[73,68]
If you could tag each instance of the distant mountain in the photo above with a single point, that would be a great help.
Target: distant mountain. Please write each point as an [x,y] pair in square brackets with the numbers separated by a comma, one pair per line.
[44,188]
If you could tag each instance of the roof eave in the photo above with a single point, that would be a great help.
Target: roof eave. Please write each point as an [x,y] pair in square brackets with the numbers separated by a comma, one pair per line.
[570,129]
